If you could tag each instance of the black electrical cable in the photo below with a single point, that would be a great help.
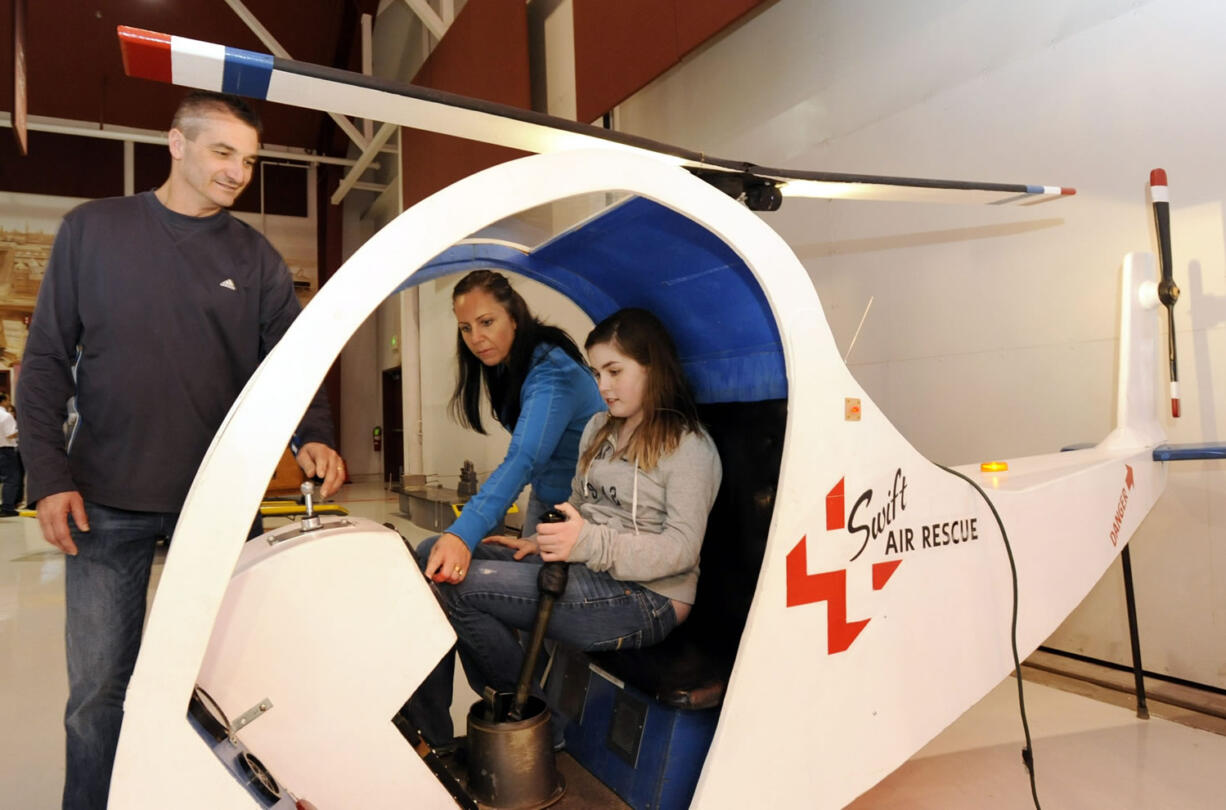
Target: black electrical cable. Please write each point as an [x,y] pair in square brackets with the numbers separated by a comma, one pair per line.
[1028,751]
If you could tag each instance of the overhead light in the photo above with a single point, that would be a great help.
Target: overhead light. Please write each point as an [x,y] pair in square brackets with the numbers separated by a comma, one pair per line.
[820,189]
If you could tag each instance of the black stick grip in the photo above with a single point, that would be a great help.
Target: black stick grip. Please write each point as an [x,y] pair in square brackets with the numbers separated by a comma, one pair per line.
[551,582]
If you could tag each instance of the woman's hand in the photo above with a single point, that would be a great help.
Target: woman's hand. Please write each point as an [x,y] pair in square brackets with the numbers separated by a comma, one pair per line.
[556,540]
[523,545]
[449,559]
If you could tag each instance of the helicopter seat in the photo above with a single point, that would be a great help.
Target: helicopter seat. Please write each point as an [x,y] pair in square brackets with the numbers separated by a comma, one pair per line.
[642,720]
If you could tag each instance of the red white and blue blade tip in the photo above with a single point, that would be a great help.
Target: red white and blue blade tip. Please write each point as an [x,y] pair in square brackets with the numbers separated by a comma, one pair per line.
[146,54]
[192,63]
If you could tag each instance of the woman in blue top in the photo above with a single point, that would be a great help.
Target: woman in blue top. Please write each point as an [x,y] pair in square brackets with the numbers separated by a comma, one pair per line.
[541,390]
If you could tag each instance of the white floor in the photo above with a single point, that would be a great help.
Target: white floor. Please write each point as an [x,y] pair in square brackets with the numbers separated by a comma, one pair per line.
[1088,754]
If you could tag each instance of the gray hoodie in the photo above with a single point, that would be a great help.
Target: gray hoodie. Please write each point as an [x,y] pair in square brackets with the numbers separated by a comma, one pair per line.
[646,526]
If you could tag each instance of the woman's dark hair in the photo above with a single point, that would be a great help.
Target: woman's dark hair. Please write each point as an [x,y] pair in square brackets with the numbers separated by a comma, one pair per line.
[504,380]
[669,411]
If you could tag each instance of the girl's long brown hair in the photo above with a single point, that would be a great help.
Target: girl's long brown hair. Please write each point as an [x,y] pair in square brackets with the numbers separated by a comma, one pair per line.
[669,411]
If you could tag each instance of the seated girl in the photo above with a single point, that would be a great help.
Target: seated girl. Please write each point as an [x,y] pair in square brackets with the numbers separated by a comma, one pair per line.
[647,476]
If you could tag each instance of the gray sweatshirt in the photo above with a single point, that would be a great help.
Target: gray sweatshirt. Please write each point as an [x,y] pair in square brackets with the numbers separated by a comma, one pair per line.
[646,526]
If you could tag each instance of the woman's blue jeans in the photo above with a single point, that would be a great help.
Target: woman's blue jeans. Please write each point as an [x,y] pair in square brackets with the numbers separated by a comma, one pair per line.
[499,597]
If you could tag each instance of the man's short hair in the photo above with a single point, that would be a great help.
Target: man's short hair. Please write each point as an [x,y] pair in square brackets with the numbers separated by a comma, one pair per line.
[199,103]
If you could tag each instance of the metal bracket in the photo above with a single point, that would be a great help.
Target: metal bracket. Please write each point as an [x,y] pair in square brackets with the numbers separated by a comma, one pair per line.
[295,530]
[316,523]
[248,717]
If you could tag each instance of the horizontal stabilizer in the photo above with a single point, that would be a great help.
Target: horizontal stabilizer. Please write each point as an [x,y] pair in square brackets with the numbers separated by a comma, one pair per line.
[1191,451]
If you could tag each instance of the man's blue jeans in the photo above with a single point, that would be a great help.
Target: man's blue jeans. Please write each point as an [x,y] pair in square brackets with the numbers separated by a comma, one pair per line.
[499,596]
[105,586]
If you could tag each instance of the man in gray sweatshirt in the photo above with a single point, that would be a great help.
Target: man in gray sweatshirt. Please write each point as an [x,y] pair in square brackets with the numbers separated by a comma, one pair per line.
[154,311]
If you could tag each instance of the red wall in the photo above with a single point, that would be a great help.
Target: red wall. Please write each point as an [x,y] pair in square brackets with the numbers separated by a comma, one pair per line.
[483,55]
[75,70]
[62,165]
[621,46]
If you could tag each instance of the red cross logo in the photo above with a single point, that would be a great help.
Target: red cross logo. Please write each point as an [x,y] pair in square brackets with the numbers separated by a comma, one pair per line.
[830,587]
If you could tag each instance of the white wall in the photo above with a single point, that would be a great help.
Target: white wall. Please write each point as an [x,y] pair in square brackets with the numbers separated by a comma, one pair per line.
[361,380]
[400,44]
[992,330]
[40,213]
[293,237]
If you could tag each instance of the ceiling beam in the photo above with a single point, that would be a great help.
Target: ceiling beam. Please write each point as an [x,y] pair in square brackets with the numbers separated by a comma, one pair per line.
[273,45]
[429,17]
[363,162]
[368,64]
[108,132]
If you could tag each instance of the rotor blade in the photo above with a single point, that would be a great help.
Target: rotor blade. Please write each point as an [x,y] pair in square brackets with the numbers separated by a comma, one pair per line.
[827,185]
[1168,292]
[192,63]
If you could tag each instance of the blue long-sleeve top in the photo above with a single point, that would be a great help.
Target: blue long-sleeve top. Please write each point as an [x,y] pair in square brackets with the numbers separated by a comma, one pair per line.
[557,398]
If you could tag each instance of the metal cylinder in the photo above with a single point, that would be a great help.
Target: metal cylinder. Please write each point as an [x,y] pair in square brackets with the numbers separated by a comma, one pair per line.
[511,764]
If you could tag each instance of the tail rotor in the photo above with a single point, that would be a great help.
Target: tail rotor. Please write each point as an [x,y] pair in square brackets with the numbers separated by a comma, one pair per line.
[1168,292]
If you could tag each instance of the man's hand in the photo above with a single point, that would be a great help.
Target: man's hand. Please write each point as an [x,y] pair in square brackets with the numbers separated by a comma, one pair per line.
[523,545]
[318,460]
[53,511]
[449,559]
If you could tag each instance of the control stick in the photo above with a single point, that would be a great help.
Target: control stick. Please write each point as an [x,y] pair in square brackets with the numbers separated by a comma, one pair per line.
[311,521]
[551,582]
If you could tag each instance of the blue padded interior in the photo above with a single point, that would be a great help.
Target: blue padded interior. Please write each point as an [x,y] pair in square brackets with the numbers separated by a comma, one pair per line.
[642,254]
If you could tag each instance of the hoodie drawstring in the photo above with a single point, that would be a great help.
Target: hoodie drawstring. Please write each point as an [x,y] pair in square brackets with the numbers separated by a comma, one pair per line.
[634,498]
